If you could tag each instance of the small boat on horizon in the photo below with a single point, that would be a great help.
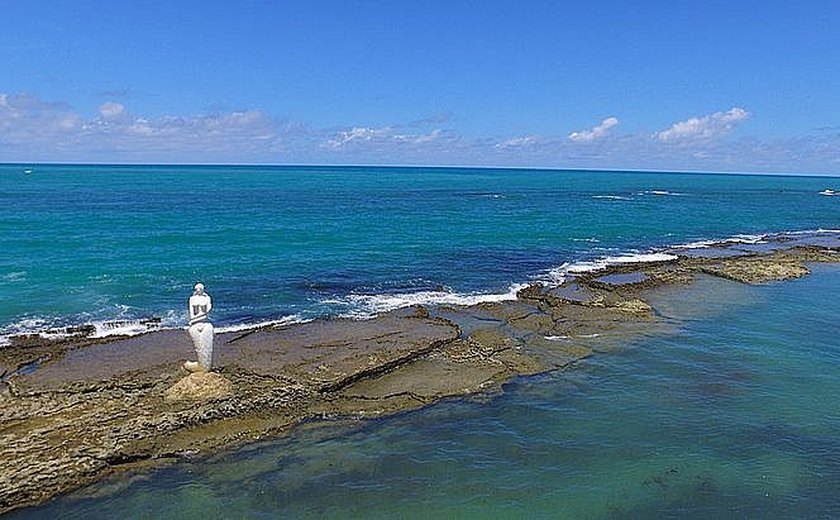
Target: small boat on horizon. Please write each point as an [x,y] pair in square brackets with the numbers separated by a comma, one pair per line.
[28,171]
[828,192]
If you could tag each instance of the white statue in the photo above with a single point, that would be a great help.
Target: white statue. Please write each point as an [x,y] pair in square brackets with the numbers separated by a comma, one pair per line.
[201,330]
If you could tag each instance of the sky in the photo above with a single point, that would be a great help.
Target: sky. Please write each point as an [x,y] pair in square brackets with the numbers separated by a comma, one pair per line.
[736,86]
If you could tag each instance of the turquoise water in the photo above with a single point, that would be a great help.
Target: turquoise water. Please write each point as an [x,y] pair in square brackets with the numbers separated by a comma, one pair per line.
[87,244]
[731,411]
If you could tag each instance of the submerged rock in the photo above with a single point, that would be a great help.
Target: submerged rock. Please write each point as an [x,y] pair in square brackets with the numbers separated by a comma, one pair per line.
[75,411]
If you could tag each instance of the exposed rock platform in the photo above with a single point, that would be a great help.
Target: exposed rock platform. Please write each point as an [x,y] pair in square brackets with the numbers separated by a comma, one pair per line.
[75,410]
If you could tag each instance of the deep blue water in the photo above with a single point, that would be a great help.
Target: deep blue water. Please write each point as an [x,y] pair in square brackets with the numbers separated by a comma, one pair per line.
[92,243]
[729,411]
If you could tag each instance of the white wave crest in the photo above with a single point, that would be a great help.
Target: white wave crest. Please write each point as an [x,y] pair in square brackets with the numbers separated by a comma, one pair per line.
[612,197]
[172,320]
[735,239]
[818,231]
[285,320]
[700,244]
[133,327]
[748,239]
[106,329]
[662,193]
[17,276]
[603,263]
[365,306]
[31,325]
[558,275]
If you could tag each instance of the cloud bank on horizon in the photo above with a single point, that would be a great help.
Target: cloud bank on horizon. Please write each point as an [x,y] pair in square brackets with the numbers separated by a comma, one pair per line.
[36,130]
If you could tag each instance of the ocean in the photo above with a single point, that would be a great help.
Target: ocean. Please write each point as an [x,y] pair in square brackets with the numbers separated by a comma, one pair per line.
[111,245]
[730,412]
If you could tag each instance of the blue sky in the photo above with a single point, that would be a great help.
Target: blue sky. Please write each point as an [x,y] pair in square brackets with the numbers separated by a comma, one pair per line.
[666,85]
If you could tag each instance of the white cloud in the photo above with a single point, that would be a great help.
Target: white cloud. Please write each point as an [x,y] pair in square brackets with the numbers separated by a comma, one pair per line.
[33,129]
[380,136]
[111,110]
[584,136]
[356,134]
[419,138]
[703,128]
[23,117]
[517,142]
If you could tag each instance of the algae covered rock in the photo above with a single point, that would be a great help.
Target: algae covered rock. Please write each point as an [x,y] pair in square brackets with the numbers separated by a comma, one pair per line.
[760,270]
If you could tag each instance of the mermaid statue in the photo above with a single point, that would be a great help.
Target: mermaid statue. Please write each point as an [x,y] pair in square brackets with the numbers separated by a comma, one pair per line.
[201,330]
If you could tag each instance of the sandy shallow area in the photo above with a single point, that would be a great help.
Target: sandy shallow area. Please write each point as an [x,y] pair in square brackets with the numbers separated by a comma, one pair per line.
[75,410]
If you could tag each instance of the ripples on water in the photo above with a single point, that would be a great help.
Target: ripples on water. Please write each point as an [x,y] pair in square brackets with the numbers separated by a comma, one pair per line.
[86,244]
[731,413]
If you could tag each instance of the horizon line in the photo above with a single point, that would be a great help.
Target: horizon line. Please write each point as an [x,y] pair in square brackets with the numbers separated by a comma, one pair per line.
[431,166]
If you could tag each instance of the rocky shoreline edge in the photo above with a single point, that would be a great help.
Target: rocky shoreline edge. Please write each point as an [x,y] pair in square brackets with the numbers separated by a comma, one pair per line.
[73,411]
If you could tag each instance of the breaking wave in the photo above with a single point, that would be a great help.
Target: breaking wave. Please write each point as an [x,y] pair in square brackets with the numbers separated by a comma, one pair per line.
[47,328]
[662,193]
[365,306]
[612,197]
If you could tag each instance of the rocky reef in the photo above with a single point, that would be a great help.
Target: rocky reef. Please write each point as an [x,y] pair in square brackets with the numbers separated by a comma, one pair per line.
[75,410]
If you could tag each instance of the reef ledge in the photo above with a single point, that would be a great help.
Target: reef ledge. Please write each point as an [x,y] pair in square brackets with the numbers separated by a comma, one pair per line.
[76,410]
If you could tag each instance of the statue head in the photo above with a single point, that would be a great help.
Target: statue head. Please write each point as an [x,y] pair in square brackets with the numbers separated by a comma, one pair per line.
[199,288]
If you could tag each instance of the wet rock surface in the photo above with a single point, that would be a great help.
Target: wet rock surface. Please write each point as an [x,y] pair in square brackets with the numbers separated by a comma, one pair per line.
[76,410]
[781,265]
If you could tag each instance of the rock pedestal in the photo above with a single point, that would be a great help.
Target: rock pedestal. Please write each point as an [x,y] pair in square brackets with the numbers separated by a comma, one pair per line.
[199,386]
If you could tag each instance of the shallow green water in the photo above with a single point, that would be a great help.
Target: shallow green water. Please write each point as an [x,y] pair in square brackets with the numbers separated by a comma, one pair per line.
[732,411]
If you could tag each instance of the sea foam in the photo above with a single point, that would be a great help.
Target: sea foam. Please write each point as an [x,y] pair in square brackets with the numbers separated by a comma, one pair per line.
[242,327]
[366,306]
[612,197]
[661,193]
[603,263]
